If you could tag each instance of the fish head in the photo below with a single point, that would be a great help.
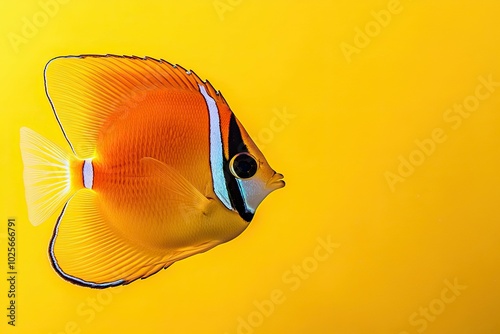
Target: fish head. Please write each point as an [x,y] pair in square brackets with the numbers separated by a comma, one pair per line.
[255,177]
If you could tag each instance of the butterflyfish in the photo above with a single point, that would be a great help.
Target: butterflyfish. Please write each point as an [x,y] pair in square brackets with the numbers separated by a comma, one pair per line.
[160,168]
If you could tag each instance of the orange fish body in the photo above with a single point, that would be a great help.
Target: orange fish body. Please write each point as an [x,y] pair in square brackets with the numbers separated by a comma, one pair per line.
[161,169]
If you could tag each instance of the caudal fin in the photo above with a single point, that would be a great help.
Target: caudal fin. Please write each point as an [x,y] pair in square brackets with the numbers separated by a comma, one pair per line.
[47,178]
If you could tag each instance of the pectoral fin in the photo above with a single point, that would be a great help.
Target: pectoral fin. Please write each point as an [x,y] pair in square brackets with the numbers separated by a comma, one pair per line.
[177,186]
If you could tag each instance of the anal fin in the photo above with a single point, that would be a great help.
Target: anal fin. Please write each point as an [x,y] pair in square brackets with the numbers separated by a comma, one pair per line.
[85,249]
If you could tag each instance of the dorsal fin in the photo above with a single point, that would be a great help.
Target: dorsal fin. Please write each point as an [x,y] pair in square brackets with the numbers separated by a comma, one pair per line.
[86,90]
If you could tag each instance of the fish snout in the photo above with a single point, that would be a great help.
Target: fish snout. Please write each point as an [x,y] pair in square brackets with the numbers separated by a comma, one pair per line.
[276,181]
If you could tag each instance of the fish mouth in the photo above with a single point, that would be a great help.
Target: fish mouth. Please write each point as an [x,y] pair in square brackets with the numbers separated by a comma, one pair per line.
[276,181]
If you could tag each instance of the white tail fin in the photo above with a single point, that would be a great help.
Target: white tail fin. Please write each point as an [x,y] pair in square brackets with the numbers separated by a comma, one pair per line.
[47,172]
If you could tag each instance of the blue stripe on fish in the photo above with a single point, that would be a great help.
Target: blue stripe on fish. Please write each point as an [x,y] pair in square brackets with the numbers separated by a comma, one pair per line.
[88,173]
[246,199]
[216,154]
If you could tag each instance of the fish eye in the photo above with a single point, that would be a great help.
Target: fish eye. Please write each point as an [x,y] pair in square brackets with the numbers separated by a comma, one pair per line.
[243,166]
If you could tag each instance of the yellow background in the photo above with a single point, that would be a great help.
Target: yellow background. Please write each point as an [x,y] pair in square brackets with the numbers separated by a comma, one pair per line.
[352,117]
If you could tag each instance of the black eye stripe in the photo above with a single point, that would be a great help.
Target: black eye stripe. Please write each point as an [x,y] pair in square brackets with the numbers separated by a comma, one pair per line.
[235,141]
[235,146]
[235,196]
